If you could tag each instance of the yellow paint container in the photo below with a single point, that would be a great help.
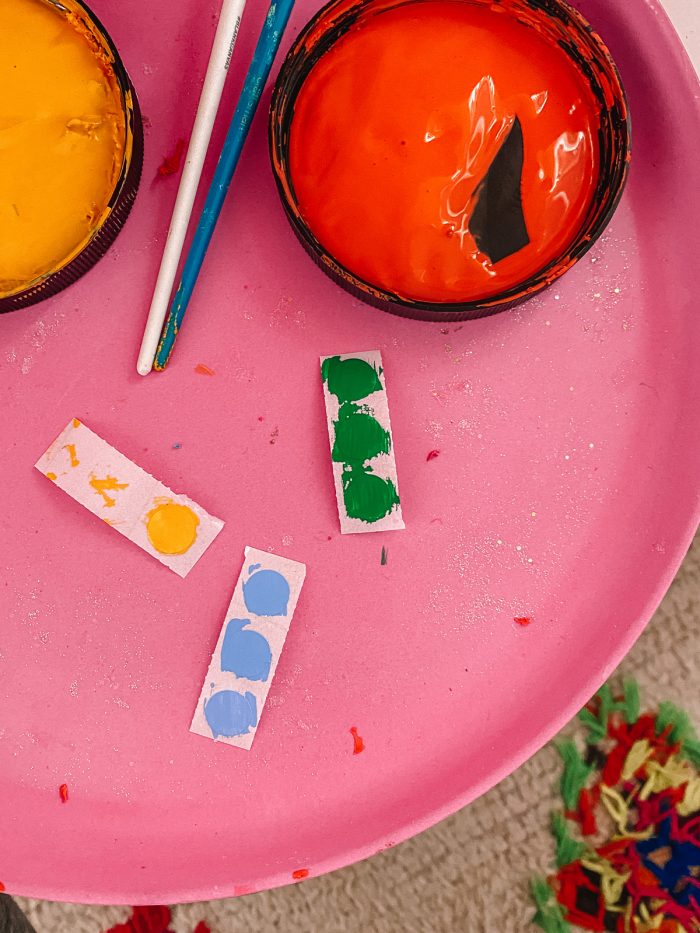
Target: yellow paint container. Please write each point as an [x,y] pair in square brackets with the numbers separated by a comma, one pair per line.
[71,146]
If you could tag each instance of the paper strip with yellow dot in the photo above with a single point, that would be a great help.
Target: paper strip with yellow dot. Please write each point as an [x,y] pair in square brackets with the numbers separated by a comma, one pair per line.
[170,527]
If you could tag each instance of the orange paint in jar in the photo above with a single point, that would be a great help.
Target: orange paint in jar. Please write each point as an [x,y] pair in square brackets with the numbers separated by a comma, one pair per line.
[396,134]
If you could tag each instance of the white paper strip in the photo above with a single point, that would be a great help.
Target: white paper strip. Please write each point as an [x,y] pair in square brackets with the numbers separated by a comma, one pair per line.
[171,528]
[359,430]
[249,647]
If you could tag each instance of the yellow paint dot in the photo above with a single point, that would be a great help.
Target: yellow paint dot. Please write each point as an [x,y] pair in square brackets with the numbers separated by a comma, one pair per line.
[172,528]
[51,476]
[76,423]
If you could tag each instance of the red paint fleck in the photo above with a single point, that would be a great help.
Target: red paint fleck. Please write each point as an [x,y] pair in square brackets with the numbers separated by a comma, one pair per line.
[203,370]
[2,887]
[260,418]
[522,620]
[300,873]
[145,920]
[63,793]
[202,928]
[171,164]
[240,890]
[432,454]
[359,745]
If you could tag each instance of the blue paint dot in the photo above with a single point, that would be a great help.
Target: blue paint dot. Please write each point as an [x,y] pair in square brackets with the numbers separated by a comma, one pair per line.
[266,593]
[245,654]
[254,567]
[231,713]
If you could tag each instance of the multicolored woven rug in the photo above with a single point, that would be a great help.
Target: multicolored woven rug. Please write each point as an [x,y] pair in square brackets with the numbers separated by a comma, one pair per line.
[628,834]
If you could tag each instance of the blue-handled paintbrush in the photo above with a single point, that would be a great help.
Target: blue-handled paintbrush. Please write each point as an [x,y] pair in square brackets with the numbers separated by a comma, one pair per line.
[263,57]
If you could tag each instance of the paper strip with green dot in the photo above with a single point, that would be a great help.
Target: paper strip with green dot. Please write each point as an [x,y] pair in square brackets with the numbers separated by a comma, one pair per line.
[359,430]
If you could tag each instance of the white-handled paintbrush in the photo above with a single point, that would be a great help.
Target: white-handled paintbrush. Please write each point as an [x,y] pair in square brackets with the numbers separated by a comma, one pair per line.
[221,52]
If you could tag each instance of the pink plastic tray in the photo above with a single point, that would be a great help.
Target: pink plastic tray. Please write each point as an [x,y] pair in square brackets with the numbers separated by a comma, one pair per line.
[566,490]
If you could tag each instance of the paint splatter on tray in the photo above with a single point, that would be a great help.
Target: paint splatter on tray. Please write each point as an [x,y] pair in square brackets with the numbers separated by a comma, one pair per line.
[171,164]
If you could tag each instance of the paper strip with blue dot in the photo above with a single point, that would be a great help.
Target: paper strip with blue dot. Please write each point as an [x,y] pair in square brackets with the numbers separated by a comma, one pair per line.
[249,646]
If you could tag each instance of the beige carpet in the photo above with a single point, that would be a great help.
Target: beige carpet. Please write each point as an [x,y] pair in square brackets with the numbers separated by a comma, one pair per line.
[469,873]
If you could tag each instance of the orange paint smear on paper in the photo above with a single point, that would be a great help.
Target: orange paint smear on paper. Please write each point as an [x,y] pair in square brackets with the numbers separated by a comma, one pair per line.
[108,484]
[52,477]
[386,169]
[74,462]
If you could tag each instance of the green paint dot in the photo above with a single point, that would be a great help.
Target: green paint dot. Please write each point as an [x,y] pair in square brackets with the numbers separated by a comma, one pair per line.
[349,380]
[367,496]
[358,437]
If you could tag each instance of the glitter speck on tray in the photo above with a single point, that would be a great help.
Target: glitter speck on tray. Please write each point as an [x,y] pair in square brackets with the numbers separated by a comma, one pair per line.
[177,445]
[63,793]
[358,744]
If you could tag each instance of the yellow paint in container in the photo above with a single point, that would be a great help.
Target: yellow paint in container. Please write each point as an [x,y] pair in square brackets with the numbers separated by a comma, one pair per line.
[70,146]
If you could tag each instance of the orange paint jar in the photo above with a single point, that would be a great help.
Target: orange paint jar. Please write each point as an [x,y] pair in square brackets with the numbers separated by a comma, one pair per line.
[448,158]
